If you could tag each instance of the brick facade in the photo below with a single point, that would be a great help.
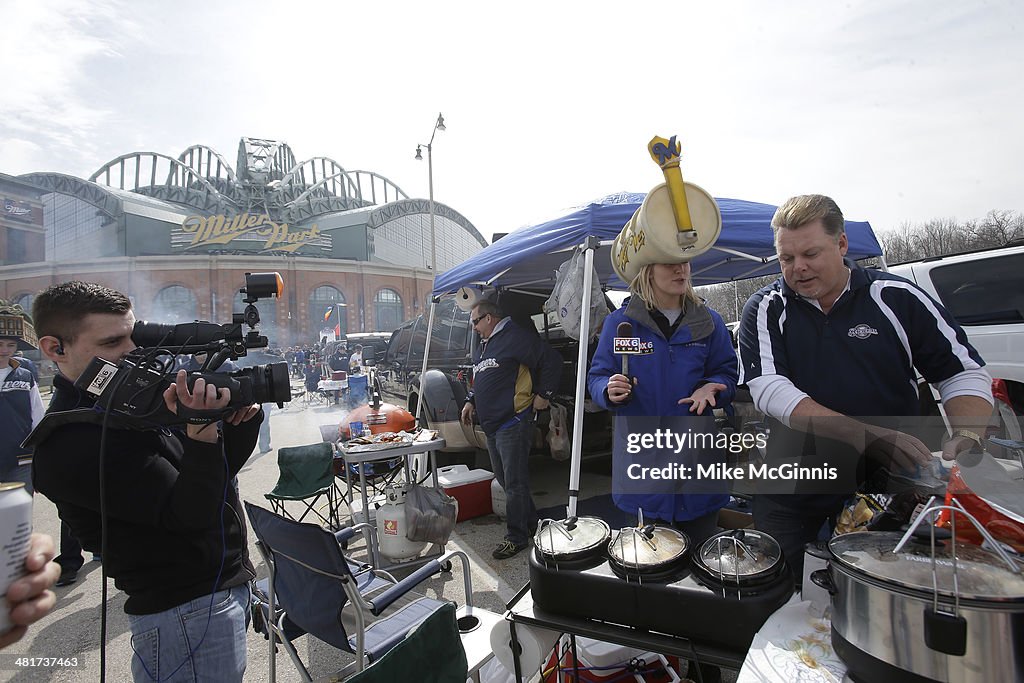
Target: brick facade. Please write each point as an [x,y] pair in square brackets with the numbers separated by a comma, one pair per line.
[215,280]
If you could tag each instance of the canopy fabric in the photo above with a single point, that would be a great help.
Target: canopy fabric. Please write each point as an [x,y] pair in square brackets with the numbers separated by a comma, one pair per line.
[528,257]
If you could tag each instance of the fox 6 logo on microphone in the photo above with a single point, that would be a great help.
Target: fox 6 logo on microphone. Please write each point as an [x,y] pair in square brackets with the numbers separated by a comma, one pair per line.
[626,345]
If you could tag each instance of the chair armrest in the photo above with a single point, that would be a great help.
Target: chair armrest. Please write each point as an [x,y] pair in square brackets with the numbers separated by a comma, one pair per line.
[381,602]
[345,534]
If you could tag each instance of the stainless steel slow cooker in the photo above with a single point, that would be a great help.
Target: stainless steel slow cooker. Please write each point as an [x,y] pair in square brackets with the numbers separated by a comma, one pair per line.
[650,550]
[573,540]
[911,616]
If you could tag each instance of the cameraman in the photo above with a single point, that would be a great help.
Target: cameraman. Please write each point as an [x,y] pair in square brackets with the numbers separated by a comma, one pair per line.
[175,532]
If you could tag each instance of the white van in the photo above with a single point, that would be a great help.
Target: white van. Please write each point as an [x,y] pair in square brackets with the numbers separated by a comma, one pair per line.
[984,291]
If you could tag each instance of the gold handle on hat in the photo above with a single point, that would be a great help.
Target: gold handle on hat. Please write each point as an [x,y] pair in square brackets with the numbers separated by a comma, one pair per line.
[666,154]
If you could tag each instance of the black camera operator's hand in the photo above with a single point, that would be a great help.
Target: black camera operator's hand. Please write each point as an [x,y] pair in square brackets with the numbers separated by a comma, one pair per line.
[202,397]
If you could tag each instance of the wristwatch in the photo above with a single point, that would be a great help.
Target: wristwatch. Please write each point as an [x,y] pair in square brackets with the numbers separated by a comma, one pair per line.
[968,434]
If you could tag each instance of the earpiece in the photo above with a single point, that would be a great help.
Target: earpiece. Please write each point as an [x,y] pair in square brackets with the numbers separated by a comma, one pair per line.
[60,347]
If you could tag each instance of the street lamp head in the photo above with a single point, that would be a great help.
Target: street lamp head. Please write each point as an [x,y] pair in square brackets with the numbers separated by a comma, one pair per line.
[440,122]
[419,154]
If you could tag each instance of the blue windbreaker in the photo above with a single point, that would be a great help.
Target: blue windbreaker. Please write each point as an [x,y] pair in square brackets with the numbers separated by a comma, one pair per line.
[700,351]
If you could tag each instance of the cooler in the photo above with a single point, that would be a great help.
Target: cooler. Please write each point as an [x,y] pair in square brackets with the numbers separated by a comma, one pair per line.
[472,488]
[601,662]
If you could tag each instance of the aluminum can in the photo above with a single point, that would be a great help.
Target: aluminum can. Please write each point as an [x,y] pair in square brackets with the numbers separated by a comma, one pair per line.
[15,533]
[355,429]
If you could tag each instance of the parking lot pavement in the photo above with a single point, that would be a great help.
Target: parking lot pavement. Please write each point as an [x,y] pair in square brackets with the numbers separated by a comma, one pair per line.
[73,628]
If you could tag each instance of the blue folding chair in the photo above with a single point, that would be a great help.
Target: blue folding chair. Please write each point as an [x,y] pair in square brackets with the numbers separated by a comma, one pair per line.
[313,588]
[357,390]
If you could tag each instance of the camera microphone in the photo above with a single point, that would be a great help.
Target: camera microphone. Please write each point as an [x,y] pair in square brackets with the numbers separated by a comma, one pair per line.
[147,334]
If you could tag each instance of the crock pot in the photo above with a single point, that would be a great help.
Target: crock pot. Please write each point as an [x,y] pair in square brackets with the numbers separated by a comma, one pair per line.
[571,541]
[900,616]
[648,550]
[740,558]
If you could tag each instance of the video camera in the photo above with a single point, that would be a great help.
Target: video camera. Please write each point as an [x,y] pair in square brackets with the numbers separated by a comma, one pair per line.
[132,391]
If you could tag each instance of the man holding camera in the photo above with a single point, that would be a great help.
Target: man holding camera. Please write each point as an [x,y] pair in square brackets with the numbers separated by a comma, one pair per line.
[175,536]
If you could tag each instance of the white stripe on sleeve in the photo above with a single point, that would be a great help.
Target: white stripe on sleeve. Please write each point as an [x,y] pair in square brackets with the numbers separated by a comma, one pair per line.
[959,350]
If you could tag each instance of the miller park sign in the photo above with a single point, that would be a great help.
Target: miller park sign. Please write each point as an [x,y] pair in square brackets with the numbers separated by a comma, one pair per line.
[232,231]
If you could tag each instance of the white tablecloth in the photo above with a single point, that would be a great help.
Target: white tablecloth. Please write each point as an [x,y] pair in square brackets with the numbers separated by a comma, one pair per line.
[332,384]
[793,645]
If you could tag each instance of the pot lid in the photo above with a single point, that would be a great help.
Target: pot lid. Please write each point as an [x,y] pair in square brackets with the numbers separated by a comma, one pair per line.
[742,553]
[648,547]
[561,538]
[981,575]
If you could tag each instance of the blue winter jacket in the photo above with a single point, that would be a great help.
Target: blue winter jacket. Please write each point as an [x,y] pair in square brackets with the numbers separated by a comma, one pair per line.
[700,351]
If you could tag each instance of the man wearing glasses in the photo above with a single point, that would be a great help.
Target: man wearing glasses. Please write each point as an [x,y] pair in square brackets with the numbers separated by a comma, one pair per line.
[515,373]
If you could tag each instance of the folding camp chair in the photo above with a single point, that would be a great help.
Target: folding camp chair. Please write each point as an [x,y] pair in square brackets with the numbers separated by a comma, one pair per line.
[313,588]
[357,393]
[307,477]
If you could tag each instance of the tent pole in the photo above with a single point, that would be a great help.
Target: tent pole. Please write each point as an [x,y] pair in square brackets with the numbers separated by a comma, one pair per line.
[426,355]
[589,246]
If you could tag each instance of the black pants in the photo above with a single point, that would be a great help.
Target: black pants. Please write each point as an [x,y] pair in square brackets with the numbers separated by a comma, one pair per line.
[70,550]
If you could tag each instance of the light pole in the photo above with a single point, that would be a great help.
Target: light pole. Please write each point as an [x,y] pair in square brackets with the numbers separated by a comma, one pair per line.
[439,125]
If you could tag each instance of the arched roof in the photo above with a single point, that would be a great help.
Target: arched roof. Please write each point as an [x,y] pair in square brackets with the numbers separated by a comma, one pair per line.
[406,207]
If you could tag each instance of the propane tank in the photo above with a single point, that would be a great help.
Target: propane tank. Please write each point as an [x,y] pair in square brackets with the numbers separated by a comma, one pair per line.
[391,526]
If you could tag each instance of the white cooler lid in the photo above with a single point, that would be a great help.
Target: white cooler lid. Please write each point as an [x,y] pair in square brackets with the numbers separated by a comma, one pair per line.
[449,480]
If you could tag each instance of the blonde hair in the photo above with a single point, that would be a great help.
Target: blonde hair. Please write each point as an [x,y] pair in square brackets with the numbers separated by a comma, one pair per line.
[798,211]
[642,287]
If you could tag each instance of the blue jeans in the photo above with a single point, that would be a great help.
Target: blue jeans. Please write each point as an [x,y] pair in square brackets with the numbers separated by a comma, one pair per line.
[22,473]
[164,642]
[509,449]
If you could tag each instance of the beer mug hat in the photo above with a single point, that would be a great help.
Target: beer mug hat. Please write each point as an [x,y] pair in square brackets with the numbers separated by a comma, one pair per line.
[17,325]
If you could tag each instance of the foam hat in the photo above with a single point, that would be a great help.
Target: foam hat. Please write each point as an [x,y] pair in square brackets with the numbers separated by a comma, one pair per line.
[676,222]
[16,324]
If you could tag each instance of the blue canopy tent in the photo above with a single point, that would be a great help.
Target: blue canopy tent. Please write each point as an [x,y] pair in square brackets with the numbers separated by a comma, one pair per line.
[527,258]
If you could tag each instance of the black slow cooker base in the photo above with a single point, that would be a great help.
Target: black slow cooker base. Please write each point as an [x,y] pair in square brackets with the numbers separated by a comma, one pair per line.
[865,668]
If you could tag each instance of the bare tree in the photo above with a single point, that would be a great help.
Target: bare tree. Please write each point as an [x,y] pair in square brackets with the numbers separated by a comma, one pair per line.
[945,236]
[908,242]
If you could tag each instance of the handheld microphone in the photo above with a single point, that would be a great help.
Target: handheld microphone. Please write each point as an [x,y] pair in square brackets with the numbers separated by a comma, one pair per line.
[624,329]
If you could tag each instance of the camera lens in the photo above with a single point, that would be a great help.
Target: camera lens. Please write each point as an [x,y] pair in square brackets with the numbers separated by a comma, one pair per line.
[270,383]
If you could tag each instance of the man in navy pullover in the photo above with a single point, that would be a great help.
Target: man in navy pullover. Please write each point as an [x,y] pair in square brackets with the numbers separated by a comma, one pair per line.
[829,353]
[514,374]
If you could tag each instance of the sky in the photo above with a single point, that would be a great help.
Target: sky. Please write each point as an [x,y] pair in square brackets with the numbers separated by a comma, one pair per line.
[900,111]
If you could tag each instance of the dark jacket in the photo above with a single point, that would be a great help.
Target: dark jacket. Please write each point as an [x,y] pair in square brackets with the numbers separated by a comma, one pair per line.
[508,369]
[15,414]
[165,496]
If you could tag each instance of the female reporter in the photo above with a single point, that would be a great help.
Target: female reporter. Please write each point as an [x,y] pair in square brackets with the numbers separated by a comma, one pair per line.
[685,367]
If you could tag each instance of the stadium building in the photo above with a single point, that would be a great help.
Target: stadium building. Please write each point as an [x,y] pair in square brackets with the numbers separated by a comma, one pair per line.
[178,234]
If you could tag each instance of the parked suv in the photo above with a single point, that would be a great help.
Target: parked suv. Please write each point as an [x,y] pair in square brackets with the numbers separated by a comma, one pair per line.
[374,344]
[449,371]
[984,291]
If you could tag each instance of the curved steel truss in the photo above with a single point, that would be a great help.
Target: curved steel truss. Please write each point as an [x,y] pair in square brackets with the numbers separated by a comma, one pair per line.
[267,179]
[76,187]
[408,207]
[158,175]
